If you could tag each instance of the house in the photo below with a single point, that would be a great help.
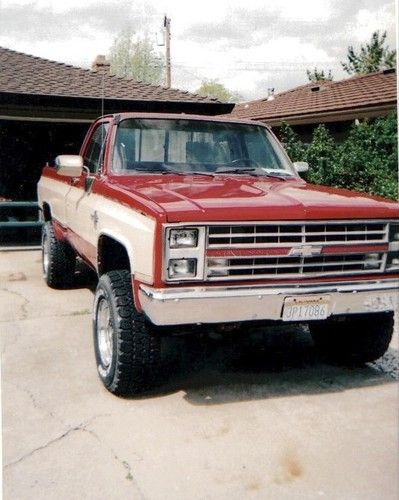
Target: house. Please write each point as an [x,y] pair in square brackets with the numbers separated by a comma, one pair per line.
[336,104]
[47,106]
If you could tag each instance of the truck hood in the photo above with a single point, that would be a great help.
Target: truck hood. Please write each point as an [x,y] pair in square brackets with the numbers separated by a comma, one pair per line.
[239,198]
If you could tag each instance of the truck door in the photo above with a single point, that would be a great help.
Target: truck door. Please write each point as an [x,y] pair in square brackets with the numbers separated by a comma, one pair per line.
[81,204]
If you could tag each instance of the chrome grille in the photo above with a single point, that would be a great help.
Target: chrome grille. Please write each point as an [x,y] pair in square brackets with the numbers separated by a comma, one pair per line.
[345,259]
[266,235]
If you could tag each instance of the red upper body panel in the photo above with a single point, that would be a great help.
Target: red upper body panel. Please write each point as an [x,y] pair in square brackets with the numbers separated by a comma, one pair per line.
[241,197]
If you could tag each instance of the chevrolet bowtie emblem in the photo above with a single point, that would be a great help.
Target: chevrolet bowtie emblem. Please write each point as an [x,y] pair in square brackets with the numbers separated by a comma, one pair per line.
[305,251]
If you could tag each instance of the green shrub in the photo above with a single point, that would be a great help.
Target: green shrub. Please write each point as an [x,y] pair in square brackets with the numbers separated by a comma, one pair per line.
[366,161]
[292,144]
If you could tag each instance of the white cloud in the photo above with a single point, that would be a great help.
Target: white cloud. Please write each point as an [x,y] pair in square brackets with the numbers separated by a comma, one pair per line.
[247,47]
[306,10]
[383,19]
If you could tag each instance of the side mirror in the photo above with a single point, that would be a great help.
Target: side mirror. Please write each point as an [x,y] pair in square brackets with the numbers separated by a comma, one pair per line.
[301,166]
[69,165]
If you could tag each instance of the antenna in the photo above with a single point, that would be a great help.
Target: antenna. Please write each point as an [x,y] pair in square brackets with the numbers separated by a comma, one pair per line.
[102,93]
[166,25]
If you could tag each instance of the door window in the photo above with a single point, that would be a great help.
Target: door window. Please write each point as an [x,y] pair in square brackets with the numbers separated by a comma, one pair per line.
[93,157]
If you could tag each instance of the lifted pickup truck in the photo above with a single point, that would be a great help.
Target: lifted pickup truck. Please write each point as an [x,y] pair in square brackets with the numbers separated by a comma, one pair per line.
[192,220]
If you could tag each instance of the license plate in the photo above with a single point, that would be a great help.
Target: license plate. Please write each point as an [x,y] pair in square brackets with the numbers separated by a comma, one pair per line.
[306,308]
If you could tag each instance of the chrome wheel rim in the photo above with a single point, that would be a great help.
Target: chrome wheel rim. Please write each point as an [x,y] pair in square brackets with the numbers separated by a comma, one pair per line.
[105,333]
[45,252]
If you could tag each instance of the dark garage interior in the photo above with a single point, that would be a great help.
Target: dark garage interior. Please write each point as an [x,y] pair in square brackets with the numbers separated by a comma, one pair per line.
[26,146]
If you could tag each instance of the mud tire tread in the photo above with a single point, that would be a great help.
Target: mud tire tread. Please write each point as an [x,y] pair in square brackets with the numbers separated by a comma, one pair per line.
[62,260]
[136,347]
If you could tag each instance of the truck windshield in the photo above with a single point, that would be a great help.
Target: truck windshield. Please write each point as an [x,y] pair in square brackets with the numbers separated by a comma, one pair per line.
[190,146]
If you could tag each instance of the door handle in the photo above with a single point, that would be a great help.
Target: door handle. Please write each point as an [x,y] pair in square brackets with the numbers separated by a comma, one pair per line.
[94,218]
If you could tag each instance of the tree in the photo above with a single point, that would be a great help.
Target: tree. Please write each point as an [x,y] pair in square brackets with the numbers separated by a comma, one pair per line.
[212,88]
[319,75]
[136,58]
[371,58]
[366,161]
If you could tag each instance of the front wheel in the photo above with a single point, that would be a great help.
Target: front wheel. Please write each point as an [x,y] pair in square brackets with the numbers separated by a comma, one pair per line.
[58,259]
[127,350]
[354,339]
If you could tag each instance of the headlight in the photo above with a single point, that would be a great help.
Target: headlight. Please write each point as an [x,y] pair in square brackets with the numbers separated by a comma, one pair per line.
[184,253]
[393,237]
[393,248]
[183,238]
[182,268]
[393,261]
[394,232]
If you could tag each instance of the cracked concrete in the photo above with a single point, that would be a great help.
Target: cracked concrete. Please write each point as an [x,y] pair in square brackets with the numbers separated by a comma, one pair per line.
[80,427]
[42,447]
[277,424]
[58,476]
[17,311]
[10,338]
[37,405]
[129,472]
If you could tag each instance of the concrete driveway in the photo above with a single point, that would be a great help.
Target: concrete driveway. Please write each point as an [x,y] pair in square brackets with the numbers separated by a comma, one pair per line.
[272,424]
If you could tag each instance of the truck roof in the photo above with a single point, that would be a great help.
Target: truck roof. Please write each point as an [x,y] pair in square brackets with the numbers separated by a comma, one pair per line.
[177,116]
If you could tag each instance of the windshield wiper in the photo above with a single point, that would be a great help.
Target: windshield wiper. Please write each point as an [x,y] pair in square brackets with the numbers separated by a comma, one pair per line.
[179,172]
[150,169]
[164,169]
[255,172]
[281,177]
[245,170]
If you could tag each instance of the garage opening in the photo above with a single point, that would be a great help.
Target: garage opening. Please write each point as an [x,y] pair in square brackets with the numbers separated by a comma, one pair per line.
[25,147]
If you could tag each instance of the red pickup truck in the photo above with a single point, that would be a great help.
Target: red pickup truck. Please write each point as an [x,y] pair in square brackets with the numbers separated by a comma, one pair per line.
[193,220]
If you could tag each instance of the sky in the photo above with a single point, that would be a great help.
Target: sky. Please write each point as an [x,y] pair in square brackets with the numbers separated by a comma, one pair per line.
[247,46]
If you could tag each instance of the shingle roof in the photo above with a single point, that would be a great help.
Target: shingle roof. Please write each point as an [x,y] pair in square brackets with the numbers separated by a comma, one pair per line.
[376,89]
[25,74]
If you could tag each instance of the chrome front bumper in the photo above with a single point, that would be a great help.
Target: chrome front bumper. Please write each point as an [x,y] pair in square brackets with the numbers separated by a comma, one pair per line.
[179,306]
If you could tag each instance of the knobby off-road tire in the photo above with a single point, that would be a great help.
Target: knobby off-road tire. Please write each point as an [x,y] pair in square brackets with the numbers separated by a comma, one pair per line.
[357,339]
[127,349]
[58,259]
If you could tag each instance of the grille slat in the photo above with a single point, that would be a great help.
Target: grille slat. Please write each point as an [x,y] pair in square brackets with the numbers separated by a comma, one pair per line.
[317,234]
[305,265]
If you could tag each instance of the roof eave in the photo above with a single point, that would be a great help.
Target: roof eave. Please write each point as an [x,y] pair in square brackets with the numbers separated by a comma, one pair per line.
[329,116]
[112,105]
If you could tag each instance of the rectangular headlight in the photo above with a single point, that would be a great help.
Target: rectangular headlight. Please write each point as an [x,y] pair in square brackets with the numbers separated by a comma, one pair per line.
[394,232]
[184,253]
[182,268]
[183,238]
[393,261]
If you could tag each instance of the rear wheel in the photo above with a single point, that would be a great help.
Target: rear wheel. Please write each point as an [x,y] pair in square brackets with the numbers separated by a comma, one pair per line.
[127,349]
[353,339]
[58,259]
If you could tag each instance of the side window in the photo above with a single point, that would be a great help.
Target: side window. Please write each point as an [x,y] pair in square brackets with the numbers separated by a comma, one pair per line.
[95,149]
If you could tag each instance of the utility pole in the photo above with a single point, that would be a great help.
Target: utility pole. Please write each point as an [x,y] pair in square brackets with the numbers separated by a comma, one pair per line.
[166,24]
